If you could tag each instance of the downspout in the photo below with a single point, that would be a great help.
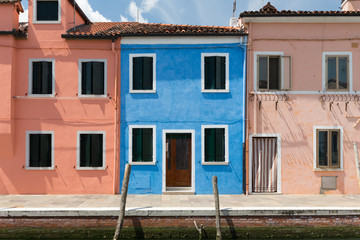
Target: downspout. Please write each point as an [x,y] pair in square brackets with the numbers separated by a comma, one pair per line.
[116,163]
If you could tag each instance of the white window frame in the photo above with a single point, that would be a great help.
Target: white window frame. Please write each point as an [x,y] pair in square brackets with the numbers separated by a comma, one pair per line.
[27,157]
[315,128]
[131,127]
[78,167]
[324,74]
[227,67]
[226,127]
[131,63]
[31,61]
[80,76]
[46,22]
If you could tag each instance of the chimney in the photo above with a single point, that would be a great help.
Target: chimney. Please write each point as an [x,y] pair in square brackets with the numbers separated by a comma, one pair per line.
[234,22]
[350,5]
[9,12]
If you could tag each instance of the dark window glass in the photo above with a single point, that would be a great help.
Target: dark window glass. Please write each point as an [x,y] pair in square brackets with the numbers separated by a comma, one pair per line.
[40,150]
[328,148]
[343,73]
[269,73]
[331,81]
[337,73]
[142,145]
[214,145]
[215,73]
[263,72]
[91,150]
[274,73]
[42,78]
[92,78]
[142,73]
[335,148]
[47,11]
[323,148]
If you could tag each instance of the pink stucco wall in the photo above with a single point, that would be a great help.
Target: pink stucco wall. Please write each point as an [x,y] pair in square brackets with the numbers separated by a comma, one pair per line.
[64,114]
[294,119]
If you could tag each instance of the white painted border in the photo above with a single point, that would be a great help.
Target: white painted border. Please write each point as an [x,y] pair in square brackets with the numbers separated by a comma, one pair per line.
[227,63]
[324,55]
[105,78]
[131,56]
[27,153]
[46,22]
[183,40]
[278,136]
[131,127]
[226,127]
[192,132]
[31,61]
[341,148]
[255,66]
[78,150]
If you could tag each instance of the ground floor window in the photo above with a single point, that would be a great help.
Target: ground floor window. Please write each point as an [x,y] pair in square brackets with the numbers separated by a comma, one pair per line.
[91,150]
[214,144]
[328,148]
[142,144]
[39,150]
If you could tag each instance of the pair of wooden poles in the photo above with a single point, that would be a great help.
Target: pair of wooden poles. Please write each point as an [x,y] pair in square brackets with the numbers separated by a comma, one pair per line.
[124,190]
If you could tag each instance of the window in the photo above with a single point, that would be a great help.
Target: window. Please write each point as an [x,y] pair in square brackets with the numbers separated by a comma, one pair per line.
[42,77]
[215,72]
[142,73]
[142,144]
[47,11]
[92,80]
[337,72]
[328,148]
[215,145]
[39,150]
[91,150]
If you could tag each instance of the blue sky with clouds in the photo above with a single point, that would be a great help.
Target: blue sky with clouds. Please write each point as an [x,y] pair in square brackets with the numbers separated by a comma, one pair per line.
[194,12]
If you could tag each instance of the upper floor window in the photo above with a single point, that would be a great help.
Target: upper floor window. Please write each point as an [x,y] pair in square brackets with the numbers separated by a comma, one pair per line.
[328,148]
[337,71]
[92,82]
[47,10]
[215,72]
[41,77]
[142,73]
[39,150]
[273,71]
[91,150]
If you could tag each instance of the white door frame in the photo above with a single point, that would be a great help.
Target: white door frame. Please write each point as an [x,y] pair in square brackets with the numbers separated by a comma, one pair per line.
[278,143]
[192,132]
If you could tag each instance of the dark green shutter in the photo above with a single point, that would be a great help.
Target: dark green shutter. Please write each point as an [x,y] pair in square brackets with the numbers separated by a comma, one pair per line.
[40,150]
[210,72]
[274,73]
[42,78]
[214,145]
[91,150]
[143,73]
[215,73]
[93,81]
[147,73]
[47,11]
[142,145]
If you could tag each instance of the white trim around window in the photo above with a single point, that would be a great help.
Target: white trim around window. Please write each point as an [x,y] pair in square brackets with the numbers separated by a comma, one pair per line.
[227,82]
[31,61]
[80,79]
[27,151]
[324,74]
[315,128]
[203,127]
[131,127]
[131,56]
[46,22]
[78,150]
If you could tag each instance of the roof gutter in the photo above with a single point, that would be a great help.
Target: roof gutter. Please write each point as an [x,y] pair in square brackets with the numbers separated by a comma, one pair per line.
[14,33]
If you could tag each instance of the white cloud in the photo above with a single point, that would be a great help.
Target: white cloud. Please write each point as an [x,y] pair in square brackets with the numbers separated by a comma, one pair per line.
[24,17]
[123,19]
[94,16]
[136,12]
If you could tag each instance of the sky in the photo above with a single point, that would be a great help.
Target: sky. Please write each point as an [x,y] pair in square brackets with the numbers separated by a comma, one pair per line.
[192,12]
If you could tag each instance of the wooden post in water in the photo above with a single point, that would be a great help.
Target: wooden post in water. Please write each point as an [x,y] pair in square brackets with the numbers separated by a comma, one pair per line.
[217,208]
[124,190]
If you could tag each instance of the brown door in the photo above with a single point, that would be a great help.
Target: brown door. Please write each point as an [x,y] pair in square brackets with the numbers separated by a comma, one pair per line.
[178,160]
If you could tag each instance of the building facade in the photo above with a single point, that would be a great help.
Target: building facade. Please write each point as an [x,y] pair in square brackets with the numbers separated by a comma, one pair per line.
[302,92]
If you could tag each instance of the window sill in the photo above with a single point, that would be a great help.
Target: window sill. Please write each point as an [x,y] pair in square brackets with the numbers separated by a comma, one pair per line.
[39,168]
[143,163]
[142,91]
[215,91]
[90,168]
[93,96]
[214,163]
[46,22]
[41,95]
[328,170]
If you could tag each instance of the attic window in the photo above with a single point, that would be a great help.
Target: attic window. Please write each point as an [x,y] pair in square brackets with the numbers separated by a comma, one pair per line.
[47,10]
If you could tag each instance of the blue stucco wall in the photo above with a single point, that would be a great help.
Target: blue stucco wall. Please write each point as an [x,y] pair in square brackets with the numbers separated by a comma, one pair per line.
[179,104]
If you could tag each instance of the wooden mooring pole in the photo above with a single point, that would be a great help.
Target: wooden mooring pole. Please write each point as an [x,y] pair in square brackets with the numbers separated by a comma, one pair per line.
[124,190]
[217,208]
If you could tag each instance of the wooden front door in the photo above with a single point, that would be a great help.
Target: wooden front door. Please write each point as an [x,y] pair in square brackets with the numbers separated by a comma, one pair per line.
[178,160]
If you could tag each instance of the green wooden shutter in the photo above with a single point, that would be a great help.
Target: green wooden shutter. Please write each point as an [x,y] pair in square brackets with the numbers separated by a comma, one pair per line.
[91,150]
[86,73]
[210,145]
[85,150]
[40,150]
[34,160]
[274,73]
[42,78]
[214,145]
[137,144]
[210,72]
[98,82]
[142,148]
[220,72]
[137,73]
[220,145]
[147,145]
[147,73]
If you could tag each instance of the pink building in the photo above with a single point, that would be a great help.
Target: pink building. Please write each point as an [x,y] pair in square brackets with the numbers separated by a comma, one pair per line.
[303,100]
[56,94]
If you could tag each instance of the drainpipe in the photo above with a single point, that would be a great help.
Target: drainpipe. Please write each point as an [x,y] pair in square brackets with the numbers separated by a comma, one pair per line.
[116,162]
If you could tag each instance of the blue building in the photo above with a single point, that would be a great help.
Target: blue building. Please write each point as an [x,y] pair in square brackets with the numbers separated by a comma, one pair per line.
[183,109]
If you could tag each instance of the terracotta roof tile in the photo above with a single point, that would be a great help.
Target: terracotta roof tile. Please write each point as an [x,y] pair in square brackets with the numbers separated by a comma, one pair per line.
[9,1]
[123,29]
